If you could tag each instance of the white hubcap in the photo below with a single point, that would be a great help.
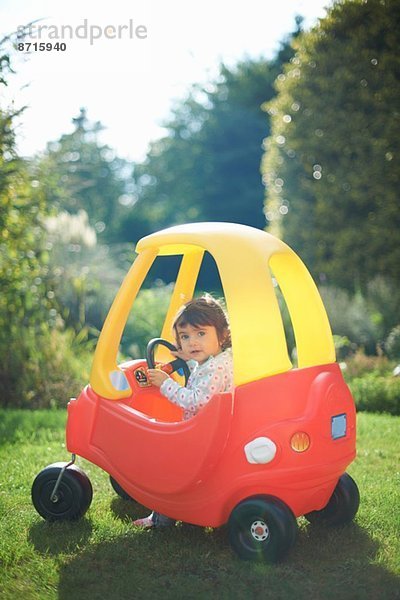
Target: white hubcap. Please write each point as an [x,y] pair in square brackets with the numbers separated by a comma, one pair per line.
[259,531]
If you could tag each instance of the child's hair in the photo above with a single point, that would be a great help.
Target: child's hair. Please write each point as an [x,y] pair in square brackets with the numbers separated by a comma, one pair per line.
[204,311]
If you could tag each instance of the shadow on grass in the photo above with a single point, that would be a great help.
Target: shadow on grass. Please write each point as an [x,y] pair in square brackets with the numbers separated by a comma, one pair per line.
[57,538]
[192,562]
[126,510]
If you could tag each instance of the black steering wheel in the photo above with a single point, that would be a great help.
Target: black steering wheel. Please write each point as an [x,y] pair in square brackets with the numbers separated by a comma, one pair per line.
[176,364]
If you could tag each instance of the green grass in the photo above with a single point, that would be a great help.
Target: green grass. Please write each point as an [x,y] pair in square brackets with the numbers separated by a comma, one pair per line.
[103,556]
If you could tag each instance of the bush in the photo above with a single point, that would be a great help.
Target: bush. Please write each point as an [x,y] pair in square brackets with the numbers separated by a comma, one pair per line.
[83,275]
[343,346]
[360,364]
[43,370]
[351,318]
[392,343]
[383,298]
[364,319]
[374,393]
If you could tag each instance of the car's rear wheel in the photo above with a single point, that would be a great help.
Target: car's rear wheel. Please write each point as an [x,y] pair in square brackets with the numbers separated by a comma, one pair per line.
[262,528]
[342,506]
[119,490]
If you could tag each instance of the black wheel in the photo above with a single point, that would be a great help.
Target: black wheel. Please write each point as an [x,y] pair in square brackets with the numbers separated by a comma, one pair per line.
[72,499]
[342,506]
[119,490]
[262,528]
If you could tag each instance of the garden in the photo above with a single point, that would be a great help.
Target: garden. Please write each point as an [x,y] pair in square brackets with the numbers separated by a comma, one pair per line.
[280,144]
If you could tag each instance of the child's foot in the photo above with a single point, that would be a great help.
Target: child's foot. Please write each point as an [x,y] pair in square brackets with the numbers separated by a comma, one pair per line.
[145,523]
[155,519]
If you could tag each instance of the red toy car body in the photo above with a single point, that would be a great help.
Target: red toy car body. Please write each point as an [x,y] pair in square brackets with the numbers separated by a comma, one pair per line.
[202,474]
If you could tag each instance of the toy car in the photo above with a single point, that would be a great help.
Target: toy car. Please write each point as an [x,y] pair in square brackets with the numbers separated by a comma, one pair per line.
[275,449]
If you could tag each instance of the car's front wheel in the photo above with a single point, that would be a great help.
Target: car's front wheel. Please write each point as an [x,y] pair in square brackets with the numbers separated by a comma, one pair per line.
[72,498]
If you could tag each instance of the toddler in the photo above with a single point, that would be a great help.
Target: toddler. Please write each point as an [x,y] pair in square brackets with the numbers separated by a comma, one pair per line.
[203,340]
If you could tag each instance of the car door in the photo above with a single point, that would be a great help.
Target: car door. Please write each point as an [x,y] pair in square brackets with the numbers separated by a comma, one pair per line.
[158,456]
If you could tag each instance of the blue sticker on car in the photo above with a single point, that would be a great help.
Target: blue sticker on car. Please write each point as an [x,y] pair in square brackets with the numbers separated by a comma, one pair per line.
[339,426]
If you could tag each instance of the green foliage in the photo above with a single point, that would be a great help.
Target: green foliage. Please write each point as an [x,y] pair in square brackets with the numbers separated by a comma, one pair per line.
[331,163]
[360,364]
[78,173]
[83,274]
[372,383]
[383,299]
[42,369]
[374,393]
[24,306]
[351,318]
[392,343]
[40,365]
[21,254]
[343,346]
[365,319]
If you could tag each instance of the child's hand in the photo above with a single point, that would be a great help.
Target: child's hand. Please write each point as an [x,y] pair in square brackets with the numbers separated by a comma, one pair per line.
[181,354]
[156,376]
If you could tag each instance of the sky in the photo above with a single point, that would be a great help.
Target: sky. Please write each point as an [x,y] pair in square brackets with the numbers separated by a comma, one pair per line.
[143,57]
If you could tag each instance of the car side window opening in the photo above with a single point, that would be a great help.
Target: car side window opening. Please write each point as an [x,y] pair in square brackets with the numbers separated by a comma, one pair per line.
[287,323]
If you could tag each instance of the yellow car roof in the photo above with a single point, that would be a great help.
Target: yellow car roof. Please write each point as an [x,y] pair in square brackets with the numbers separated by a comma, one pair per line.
[249,261]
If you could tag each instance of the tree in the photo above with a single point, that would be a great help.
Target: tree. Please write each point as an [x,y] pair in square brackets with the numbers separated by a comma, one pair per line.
[41,363]
[208,166]
[78,173]
[24,306]
[332,161]
[20,226]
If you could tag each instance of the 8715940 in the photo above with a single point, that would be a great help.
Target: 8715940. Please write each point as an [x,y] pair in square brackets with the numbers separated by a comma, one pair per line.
[41,46]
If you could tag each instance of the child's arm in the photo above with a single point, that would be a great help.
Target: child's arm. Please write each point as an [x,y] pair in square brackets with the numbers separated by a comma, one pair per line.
[211,381]
[188,399]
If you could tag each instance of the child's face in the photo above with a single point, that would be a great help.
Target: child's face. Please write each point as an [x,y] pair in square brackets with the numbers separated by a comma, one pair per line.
[199,343]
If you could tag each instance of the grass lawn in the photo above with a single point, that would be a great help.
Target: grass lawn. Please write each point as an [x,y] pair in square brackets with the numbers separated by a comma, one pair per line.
[103,556]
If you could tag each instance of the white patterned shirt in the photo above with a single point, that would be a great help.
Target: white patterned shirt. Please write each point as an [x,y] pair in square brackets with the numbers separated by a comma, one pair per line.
[212,377]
